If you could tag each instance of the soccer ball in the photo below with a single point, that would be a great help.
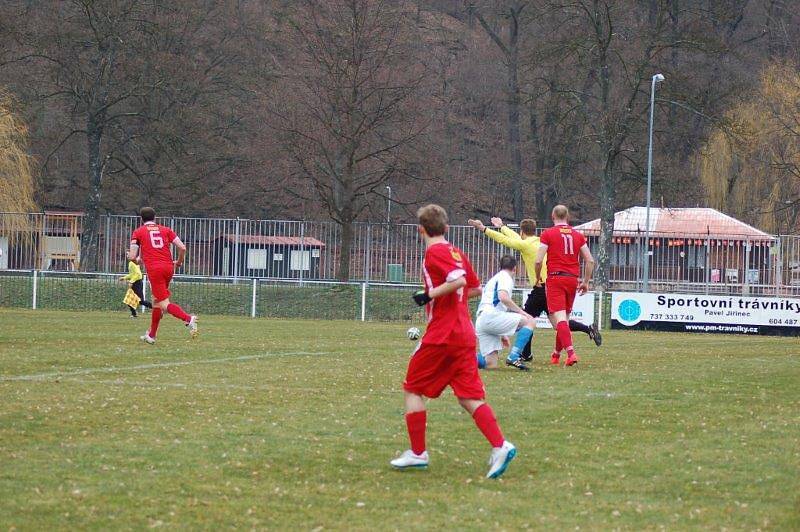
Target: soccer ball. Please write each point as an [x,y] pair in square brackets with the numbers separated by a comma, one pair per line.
[413,333]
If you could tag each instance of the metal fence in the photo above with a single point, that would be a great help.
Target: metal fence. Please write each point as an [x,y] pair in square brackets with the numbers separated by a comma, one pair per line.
[270,298]
[238,250]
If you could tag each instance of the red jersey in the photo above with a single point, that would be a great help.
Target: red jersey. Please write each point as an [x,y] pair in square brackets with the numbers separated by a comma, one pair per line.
[154,244]
[563,249]
[449,321]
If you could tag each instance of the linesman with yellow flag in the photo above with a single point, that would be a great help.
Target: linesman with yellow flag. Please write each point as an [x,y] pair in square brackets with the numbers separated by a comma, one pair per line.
[135,294]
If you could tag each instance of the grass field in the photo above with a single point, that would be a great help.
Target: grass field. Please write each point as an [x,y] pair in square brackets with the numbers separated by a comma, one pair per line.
[290,424]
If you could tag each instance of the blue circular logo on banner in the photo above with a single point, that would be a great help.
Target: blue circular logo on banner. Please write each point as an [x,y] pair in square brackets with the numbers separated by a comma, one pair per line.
[629,311]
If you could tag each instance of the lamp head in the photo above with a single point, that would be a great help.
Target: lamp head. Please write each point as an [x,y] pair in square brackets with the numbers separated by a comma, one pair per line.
[658,77]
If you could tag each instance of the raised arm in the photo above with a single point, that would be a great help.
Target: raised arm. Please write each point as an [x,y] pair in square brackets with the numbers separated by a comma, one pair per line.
[506,236]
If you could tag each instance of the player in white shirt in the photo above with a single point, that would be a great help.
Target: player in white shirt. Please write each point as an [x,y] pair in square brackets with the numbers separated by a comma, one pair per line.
[499,317]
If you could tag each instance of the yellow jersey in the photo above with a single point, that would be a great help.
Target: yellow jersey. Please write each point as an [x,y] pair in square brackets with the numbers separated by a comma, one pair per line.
[134,272]
[527,247]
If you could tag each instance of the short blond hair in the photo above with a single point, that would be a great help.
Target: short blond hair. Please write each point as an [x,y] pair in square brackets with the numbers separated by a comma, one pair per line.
[433,218]
[560,212]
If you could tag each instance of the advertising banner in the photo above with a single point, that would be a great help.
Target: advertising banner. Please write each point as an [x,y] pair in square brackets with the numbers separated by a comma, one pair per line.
[704,313]
[582,311]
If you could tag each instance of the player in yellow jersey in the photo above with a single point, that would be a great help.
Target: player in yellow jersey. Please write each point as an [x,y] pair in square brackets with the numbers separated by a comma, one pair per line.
[134,279]
[527,244]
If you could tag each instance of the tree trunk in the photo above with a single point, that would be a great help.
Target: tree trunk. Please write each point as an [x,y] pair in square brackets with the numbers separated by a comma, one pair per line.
[89,236]
[344,250]
[513,126]
[607,196]
[602,276]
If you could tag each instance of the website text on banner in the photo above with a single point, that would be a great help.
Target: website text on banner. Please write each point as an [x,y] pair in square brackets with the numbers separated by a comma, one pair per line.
[582,311]
[703,313]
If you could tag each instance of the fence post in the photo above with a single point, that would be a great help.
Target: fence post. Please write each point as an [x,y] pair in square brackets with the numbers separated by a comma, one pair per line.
[35,288]
[368,254]
[778,267]
[236,253]
[746,285]
[253,307]
[600,308]
[302,252]
[708,262]
[363,301]
[108,243]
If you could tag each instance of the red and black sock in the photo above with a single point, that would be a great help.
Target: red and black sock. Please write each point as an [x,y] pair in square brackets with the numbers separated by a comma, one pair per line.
[575,325]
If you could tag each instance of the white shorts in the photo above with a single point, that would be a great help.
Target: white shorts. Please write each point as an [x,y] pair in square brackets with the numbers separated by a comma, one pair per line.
[491,325]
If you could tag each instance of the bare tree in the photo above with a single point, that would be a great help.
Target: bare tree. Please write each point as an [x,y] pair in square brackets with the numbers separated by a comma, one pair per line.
[128,81]
[347,113]
[506,35]
[614,51]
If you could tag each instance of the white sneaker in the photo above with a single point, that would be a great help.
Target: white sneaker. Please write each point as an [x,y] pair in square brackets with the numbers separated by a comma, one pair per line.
[193,326]
[409,459]
[146,338]
[500,458]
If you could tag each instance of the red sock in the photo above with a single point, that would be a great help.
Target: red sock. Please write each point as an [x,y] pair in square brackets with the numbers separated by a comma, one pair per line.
[484,418]
[155,318]
[564,335]
[416,422]
[178,312]
[559,347]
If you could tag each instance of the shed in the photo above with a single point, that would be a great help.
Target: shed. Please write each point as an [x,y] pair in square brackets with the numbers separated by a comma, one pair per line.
[686,244]
[60,239]
[267,256]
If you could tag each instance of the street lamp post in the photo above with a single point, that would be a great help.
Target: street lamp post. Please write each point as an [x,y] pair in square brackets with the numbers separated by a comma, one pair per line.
[646,258]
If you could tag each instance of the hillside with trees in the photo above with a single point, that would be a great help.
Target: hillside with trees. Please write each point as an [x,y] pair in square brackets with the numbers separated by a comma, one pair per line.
[276,109]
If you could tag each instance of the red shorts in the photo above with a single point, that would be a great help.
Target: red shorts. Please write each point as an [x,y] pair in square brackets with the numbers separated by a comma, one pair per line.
[433,367]
[159,277]
[560,291]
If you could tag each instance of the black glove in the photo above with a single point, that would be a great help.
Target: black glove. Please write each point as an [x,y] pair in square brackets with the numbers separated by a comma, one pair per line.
[421,297]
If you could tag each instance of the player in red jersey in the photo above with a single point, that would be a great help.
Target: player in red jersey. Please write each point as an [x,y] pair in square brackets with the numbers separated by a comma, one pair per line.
[446,354]
[152,242]
[563,246]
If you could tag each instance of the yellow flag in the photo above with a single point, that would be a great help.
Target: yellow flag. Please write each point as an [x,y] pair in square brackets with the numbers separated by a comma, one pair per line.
[131,299]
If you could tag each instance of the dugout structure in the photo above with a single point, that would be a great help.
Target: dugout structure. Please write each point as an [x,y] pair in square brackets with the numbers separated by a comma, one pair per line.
[285,257]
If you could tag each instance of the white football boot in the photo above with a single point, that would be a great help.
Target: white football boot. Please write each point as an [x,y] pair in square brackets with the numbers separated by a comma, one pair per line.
[193,332]
[410,460]
[146,338]
[500,458]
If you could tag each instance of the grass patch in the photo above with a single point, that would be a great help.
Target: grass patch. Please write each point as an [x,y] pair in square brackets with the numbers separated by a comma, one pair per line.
[291,423]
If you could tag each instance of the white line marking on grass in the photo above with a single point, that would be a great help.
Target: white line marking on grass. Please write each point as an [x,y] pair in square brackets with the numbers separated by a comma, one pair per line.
[155,365]
[210,386]
[181,385]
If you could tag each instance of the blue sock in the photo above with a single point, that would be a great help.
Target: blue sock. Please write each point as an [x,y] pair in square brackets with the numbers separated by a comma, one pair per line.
[481,361]
[523,336]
